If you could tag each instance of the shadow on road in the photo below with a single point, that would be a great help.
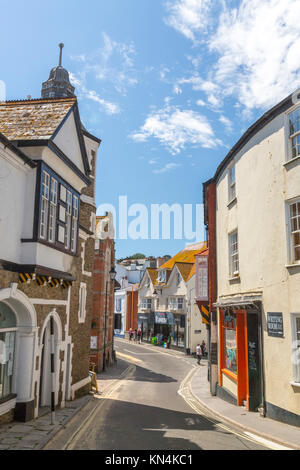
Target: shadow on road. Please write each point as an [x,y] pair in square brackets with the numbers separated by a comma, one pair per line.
[142,374]
[131,426]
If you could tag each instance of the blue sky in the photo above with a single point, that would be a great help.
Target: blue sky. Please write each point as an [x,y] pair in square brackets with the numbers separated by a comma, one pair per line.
[169,86]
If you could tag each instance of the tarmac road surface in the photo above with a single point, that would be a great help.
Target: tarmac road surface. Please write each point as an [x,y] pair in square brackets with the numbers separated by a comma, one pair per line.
[147,410]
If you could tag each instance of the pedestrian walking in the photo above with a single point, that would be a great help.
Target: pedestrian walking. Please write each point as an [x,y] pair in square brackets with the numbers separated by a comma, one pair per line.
[139,335]
[203,348]
[130,334]
[198,353]
[135,336]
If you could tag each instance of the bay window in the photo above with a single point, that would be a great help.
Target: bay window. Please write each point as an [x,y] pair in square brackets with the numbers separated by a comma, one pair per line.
[59,212]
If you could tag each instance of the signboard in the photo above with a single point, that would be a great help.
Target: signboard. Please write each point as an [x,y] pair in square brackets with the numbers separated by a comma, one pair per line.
[201,278]
[275,324]
[161,318]
[94,342]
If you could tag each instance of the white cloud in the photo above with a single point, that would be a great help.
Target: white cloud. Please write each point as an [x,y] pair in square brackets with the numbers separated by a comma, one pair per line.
[259,51]
[167,167]
[189,16]
[82,90]
[255,47]
[112,64]
[200,103]
[227,123]
[176,129]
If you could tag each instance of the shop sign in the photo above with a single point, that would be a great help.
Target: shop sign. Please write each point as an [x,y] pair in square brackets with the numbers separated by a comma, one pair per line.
[170,317]
[275,324]
[161,318]
[202,278]
[143,317]
[94,342]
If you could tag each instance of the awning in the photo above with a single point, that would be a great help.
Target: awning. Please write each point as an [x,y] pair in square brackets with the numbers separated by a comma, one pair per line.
[238,301]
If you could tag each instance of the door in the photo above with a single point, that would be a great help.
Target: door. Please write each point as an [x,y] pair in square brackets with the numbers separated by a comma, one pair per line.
[254,362]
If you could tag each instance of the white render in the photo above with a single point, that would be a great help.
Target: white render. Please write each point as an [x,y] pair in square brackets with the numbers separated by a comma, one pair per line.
[190,309]
[265,182]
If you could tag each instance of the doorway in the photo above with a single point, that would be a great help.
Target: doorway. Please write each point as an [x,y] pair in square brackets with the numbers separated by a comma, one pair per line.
[45,370]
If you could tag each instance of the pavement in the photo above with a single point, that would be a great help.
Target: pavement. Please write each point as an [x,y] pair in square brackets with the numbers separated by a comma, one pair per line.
[237,416]
[35,434]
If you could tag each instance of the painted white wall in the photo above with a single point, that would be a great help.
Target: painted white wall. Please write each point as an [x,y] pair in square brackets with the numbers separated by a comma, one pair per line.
[17,188]
[67,141]
[43,255]
[263,185]
[121,295]
[190,310]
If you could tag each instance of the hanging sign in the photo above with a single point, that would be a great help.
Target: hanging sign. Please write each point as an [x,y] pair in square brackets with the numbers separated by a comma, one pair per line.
[275,324]
[202,278]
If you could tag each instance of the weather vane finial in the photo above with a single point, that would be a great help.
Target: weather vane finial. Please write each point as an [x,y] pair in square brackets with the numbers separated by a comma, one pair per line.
[61,46]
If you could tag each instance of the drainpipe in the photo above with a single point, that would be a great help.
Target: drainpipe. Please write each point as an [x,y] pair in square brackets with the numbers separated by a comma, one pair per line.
[262,407]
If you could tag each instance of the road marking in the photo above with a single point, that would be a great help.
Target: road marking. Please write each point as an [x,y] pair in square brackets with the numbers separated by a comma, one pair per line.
[185,392]
[270,444]
[140,354]
[128,358]
[71,442]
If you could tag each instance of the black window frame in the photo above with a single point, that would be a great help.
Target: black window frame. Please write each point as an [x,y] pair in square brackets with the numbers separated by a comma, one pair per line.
[58,223]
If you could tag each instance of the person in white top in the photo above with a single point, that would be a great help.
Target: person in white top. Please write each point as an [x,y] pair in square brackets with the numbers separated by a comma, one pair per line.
[198,353]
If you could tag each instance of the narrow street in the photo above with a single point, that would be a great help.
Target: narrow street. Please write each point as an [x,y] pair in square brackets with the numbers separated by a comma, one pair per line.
[144,410]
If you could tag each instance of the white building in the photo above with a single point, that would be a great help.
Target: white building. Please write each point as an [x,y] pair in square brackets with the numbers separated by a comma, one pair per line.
[167,307]
[254,203]
[47,214]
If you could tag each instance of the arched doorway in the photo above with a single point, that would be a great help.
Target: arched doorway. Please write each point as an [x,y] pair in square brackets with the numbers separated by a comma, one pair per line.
[18,325]
[8,330]
[45,388]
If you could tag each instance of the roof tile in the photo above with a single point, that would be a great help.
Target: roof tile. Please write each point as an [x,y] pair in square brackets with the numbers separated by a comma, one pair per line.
[33,119]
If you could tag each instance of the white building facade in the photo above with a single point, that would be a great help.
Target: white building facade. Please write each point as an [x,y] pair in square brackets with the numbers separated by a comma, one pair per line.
[47,214]
[257,214]
[167,309]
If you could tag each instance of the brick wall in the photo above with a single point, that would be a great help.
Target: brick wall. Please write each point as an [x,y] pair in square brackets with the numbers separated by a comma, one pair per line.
[132,310]
[102,303]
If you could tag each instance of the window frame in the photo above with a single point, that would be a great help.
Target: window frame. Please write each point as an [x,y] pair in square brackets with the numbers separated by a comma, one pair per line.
[233,274]
[82,302]
[295,350]
[231,183]
[290,232]
[146,301]
[56,205]
[289,136]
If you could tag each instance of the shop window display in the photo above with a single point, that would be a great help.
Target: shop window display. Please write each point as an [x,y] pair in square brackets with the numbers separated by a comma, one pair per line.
[230,343]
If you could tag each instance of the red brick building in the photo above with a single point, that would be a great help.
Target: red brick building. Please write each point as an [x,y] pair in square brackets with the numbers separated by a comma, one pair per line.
[132,308]
[103,294]
[209,198]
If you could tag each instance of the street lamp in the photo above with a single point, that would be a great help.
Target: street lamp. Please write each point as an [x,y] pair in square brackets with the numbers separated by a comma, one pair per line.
[112,275]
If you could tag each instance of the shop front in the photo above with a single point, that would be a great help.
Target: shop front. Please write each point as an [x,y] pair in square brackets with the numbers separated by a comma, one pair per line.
[145,322]
[240,356]
[169,329]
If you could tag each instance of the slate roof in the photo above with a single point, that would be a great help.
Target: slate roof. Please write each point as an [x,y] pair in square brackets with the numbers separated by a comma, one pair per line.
[33,119]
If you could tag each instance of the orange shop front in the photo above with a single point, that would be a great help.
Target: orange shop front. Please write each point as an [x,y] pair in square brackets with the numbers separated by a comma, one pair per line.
[240,356]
